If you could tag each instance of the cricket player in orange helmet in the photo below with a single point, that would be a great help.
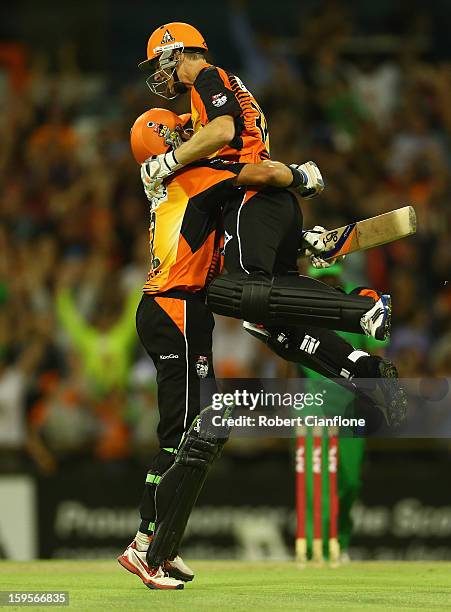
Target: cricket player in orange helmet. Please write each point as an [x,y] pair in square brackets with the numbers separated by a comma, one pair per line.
[175,325]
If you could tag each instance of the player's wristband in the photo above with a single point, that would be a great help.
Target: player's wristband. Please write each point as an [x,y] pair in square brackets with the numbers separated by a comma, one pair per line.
[298,178]
[170,161]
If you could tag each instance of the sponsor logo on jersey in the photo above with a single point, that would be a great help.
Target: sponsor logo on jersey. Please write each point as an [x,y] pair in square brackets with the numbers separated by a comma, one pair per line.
[309,344]
[202,366]
[170,356]
[167,38]
[219,99]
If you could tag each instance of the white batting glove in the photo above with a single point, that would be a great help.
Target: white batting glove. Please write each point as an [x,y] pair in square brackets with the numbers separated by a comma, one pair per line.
[313,245]
[319,263]
[156,192]
[312,182]
[155,169]
[152,187]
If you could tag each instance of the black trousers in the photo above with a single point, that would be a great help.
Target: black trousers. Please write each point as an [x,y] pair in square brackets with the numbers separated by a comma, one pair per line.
[177,334]
[263,234]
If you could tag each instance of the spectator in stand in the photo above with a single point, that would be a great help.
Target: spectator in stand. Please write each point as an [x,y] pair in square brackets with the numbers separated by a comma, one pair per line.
[106,344]
[381,132]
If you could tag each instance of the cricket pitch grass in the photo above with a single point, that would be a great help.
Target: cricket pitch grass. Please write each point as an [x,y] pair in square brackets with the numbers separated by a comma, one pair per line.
[239,586]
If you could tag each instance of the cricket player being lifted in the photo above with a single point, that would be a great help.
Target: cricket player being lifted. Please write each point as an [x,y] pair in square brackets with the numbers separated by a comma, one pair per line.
[259,225]
[262,229]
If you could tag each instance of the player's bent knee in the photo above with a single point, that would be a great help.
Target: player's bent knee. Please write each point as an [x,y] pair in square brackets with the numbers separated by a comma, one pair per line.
[286,300]
[243,296]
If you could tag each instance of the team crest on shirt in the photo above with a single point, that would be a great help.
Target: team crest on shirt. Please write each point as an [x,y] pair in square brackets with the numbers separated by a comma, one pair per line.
[219,99]
[167,38]
[202,366]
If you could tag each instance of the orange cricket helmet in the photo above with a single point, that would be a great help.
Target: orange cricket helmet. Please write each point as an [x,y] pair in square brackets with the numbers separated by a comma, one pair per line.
[175,35]
[155,132]
[164,49]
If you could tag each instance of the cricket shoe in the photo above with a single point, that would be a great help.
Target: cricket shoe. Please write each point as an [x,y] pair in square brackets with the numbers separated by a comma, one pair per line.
[383,388]
[377,321]
[135,562]
[178,569]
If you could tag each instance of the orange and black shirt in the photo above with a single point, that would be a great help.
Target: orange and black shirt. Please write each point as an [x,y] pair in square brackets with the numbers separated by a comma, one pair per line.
[185,233]
[215,93]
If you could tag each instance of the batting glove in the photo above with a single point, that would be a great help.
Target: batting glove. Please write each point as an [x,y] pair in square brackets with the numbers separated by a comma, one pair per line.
[155,169]
[313,245]
[319,263]
[312,242]
[311,182]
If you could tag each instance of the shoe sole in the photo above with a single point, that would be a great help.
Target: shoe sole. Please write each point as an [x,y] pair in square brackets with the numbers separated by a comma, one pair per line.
[383,331]
[150,585]
[395,396]
[157,587]
[178,575]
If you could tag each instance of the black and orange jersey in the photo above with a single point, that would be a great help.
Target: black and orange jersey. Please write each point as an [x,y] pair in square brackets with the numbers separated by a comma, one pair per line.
[216,92]
[185,233]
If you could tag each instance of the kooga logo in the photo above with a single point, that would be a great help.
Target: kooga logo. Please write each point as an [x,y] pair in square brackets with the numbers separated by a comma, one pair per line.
[170,356]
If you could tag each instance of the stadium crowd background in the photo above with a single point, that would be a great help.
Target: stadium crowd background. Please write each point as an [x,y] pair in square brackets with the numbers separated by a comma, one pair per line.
[370,102]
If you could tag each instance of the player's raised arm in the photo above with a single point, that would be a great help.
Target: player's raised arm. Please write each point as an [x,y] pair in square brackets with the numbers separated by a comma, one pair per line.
[305,179]
[208,140]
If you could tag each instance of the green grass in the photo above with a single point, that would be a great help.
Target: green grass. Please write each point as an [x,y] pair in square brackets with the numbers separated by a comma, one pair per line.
[232,585]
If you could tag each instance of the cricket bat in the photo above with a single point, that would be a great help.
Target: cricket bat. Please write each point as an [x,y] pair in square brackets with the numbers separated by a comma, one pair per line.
[369,233]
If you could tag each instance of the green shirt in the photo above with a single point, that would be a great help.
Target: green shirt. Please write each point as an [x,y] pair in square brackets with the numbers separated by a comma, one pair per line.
[106,356]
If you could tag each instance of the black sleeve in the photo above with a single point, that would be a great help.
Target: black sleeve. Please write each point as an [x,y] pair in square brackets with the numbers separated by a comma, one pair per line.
[216,97]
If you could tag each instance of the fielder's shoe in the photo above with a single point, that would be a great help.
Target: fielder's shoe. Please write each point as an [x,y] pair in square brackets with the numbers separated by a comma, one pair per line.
[377,321]
[177,568]
[344,557]
[380,383]
[135,562]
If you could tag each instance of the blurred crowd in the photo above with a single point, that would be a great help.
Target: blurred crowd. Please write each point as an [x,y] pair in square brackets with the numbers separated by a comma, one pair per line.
[74,381]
